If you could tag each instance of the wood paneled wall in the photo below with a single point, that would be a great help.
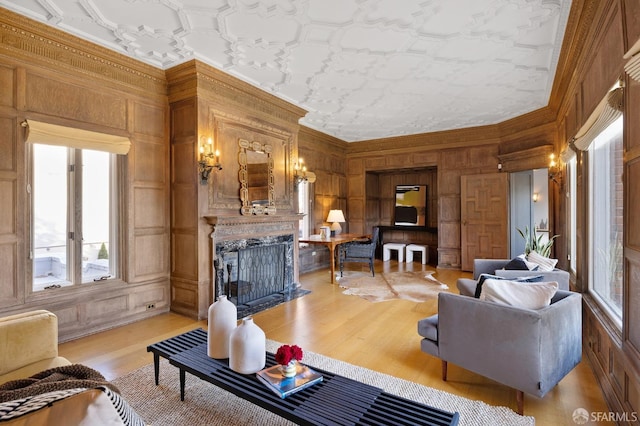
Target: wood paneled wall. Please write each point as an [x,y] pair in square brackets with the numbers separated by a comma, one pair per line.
[49,76]
[206,102]
[324,155]
[610,28]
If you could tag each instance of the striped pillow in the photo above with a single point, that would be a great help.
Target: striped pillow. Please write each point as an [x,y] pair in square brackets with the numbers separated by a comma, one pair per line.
[544,263]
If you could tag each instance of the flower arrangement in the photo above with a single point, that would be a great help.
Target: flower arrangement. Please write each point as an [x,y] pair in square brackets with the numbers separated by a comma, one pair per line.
[287,353]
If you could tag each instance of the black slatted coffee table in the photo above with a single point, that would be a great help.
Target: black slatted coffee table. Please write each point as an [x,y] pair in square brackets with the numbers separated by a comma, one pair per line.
[337,400]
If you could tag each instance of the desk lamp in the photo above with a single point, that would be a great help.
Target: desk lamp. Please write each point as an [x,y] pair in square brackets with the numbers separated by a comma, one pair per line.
[335,217]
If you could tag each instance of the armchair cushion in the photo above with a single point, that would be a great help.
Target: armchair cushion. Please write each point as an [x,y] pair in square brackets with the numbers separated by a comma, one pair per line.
[525,295]
[484,277]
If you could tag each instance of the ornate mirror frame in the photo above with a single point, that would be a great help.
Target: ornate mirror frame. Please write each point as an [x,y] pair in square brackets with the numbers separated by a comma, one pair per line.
[249,208]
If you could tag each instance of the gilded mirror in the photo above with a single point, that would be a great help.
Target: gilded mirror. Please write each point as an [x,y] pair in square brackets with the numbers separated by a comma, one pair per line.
[256,178]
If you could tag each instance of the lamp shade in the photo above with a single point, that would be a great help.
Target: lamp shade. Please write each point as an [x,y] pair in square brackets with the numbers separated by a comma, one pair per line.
[335,216]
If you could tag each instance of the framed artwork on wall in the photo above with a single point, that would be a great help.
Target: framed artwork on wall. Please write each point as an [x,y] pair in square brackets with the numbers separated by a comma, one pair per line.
[411,205]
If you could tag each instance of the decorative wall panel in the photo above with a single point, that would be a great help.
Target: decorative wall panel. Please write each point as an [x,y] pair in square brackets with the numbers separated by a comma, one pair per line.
[152,260]
[7,82]
[8,278]
[51,96]
[184,263]
[150,120]
[149,218]
[7,144]
[7,216]
[151,160]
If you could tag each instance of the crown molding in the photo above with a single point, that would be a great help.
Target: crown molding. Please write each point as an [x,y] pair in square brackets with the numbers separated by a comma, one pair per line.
[24,39]
[197,78]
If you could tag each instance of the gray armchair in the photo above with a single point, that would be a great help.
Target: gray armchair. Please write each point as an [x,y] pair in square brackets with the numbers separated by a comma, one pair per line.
[359,251]
[467,286]
[528,350]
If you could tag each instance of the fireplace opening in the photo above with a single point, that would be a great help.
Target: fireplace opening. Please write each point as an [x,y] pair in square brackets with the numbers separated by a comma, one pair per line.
[256,274]
[260,272]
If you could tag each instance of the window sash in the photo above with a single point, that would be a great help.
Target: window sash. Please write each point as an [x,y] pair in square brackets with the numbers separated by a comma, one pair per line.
[84,214]
[605,230]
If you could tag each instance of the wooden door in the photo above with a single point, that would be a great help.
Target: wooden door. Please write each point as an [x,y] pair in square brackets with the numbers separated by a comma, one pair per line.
[484,218]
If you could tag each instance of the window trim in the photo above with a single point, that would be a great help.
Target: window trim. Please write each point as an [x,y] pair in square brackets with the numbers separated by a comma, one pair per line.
[74,190]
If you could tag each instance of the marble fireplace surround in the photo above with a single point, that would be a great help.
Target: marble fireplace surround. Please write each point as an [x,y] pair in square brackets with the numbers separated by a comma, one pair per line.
[232,233]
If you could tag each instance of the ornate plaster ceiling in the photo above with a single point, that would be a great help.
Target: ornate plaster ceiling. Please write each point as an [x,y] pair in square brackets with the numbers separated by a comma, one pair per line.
[364,69]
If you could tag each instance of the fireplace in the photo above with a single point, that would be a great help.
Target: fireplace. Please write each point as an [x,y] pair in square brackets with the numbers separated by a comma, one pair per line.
[254,261]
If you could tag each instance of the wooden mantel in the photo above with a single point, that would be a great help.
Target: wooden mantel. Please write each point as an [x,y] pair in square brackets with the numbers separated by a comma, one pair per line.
[236,227]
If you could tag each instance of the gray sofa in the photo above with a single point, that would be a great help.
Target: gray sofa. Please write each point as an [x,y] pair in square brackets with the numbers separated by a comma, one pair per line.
[528,350]
[467,286]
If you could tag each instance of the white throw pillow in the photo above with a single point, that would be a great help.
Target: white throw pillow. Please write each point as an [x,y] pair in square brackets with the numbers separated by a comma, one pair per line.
[519,294]
[530,265]
[544,263]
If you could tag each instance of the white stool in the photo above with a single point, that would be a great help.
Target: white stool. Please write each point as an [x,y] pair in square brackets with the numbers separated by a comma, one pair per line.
[417,247]
[386,251]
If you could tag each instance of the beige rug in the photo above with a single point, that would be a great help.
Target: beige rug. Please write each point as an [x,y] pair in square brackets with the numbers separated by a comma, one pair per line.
[416,286]
[208,405]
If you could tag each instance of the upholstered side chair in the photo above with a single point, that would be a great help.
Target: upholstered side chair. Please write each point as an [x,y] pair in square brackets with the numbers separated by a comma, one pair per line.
[359,251]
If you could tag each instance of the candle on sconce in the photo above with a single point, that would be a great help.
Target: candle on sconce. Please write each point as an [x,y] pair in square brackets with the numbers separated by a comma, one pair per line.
[217,155]
[201,153]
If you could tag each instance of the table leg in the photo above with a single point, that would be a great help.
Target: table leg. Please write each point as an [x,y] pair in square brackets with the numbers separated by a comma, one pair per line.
[332,263]
[182,378]
[156,367]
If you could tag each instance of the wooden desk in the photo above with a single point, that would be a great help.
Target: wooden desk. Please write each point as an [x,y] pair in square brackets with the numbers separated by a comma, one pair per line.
[332,243]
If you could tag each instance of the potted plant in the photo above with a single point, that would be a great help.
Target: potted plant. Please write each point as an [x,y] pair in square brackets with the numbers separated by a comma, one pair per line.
[533,242]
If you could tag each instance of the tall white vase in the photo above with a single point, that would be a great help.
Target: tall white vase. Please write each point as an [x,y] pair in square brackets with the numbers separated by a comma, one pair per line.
[223,319]
[248,346]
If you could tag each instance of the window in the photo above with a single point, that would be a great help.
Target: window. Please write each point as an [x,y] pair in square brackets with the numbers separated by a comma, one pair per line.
[303,208]
[73,216]
[606,220]
[572,174]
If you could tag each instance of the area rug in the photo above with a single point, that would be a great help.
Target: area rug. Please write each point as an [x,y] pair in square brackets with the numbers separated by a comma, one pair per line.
[416,286]
[206,404]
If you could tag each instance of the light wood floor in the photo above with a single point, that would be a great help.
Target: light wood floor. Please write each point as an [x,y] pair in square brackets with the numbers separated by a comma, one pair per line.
[380,336]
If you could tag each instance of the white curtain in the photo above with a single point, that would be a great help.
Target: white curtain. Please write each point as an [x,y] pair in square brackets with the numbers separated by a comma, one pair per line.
[607,111]
[52,134]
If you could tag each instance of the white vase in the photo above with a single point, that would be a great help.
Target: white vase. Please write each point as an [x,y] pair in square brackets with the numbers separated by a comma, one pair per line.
[247,348]
[290,369]
[223,319]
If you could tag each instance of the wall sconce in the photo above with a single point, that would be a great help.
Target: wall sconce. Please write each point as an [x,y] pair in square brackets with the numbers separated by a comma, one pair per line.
[301,174]
[554,169]
[535,197]
[209,160]
[335,217]
[499,167]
